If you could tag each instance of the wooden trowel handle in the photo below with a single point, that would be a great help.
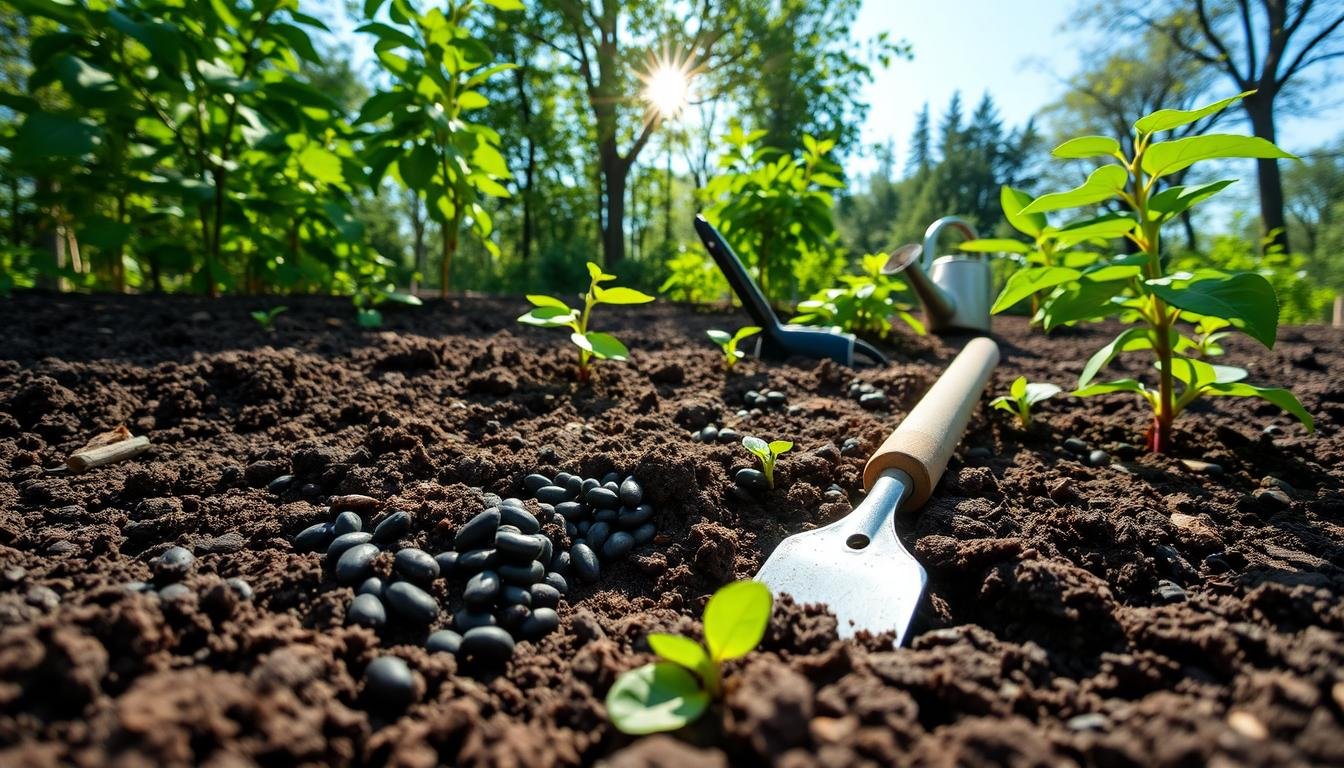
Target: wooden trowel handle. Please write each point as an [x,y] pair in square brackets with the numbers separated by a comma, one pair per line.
[924,441]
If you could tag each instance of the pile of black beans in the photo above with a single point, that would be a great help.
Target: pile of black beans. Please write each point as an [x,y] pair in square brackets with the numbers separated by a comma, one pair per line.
[771,398]
[605,519]
[870,397]
[172,566]
[712,434]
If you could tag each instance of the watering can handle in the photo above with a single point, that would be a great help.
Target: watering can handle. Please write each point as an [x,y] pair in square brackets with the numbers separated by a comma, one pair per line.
[935,229]
[923,443]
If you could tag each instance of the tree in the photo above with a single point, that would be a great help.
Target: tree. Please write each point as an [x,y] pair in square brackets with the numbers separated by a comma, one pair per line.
[921,153]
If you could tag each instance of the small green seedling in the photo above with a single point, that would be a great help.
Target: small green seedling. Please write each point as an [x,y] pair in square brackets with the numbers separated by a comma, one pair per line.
[669,694]
[1021,396]
[731,354]
[863,304]
[550,312]
[266,317]
[367,299]
[768,454]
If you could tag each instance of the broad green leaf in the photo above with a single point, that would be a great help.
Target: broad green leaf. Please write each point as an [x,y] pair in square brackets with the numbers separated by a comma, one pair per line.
[1038,391]
[1085,300]
[1025,282]
[86,84]
[1166,119]
[1168,157]
[604,346]
[469,100]
[1246,299]
[720,337]
[419,167]
[1013,201]
[550,317]
[1018,389]
[680,650]
[1004,403]
[380,104]
[1119,385]
[757,446]
[1280,397]
[1107,227]
[995,245]
[621,296]
[735,619]
[389,34]
[397,297]
[745,331]
[654,698]
[47,135]
[780,446]
[1129,340]
[596,273]
[1122,268]
[541,300]
[1173,201]
[321,164]
[1103,183]
[1087,146]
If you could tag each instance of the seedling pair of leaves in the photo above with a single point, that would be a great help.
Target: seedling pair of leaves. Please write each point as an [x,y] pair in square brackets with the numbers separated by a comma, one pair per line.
[731,354]
[1022,396]
[1137,289]
[266,317]
[550,312]
[768,453]
[864,304]
[669,694]
[367,314]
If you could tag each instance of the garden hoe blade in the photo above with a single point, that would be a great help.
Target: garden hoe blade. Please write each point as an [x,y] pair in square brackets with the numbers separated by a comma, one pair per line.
[856,565]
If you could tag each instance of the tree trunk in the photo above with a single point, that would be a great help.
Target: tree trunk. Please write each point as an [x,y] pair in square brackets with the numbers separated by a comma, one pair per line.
[530,167]
[613,171]
[1187,222]
[1274,226]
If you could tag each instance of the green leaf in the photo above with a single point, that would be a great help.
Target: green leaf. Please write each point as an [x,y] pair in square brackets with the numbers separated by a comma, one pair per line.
[757,446]
[680,650]
[469,100]
[1128,340]
[389,34]
[1168,157]
[1172,201]
[1018,389]
[604,346]
[541,300]
[380,104]
[654,698]
[46,135]
[1119,385]
[1246,299]
[397,297]
[1012,202]
[368,318]
[418,168]
[550,317]
[1038,391]
[1107,227]
[88,85]
[1004,404]
[995,245]
[1280,397]
[1025,282]
[321,164]
[736,618]
[745,331]
[621,296]
[720,337]
[596,273]
[1103,183]
[1086,300]
[1166,119]
[1087,146]
[780,446]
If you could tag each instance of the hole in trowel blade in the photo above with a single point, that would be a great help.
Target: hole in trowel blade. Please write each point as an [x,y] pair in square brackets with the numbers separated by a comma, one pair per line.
[857,541]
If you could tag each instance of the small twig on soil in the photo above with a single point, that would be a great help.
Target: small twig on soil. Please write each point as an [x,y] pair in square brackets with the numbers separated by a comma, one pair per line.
[89,458]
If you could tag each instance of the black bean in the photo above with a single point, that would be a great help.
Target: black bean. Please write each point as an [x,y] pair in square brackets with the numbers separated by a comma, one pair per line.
[588,485]
[443,641]
[508,528]
[511,617]
[512,501]
[416,565]
[751,480]
[560,561]
[553,494]
[597,535]
[314,538]
[571,530]
[611,477]
[447,564]
[371,586]
[635,517]
[481,589]
[709,434]
[478,532]
[612,486]
[873,400]
[775,397]
[486,645]
[476,561]
[367,611]
[547,547]
[542,622]
[728,435]
[584,525]
[1075,445]
[347,522]
[512,595]
[534,482]
[571,510]
[562,478]
[585,562]
[342,543]
[174,563]
[631,492]
[466,620]
[602,498]
[606,515]
[240,588]
[544,596]
[558,582]
[574,485]
[519,518]
[645,533]
[411,603]
[618,546]
[280,484]
[517,546]
[389,683]
[356,563]
[393,527]
[523,575]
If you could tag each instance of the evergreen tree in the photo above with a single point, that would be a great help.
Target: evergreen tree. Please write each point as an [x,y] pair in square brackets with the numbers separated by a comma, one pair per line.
[920,151]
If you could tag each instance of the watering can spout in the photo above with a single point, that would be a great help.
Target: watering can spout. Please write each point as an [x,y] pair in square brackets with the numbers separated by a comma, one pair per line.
[954,290]
[938,306]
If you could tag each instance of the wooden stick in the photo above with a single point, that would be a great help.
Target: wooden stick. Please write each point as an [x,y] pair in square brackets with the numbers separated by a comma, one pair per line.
[85,460]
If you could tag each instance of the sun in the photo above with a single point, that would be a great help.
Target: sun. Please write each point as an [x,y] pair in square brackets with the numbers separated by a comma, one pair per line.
[667,86]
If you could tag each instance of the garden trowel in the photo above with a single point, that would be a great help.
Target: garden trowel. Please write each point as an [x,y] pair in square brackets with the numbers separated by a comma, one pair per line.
[856,565]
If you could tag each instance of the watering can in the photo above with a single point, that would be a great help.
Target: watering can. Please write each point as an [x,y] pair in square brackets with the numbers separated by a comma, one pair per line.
[956,291]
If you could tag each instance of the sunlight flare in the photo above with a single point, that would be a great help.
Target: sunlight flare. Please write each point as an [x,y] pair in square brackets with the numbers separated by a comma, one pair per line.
[667,85]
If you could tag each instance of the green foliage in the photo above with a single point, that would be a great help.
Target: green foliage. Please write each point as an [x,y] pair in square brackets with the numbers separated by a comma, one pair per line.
[266,317]
[731,354]
[768,453]
[667,695]
[1141,289]
[694,277]
[1022,396]
[549,312]
[1301,298]
[864,304]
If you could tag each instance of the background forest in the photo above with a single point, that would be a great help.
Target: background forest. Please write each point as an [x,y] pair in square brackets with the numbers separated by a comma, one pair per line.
[244,147]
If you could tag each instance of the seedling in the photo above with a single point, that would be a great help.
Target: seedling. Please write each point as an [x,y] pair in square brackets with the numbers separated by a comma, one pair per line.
[550,312]
[1021,396]
[367,299]
[669,694]
[1137,288]
[768,454]
[266,317]
[864,304]
[731,354]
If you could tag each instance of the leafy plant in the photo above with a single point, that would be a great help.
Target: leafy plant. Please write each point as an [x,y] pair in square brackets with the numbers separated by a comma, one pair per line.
[1022,396]
[367,299]
[731,354]
[266,317]
[1139,289]
[693,277]
[669,694]
[768,453]
[864,305]
[549,312]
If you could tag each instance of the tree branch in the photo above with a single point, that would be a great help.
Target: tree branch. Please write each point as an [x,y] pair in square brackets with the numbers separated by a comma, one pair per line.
[1299,63]
[1250,37]
[1217,42]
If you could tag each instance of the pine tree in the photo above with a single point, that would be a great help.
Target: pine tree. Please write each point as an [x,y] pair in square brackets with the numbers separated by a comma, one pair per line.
[920,158]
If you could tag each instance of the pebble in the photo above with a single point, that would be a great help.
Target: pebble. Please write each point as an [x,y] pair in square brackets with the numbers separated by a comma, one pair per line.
[1092,721]
[240,588]
[443,641]
[540,623]
[482,589]
[1098,458]
[1247,725]
[1202,467]
[618,546]
[1273,498]
[411,603]
[585,562]
[389,683]
[393,527]
[1170,592]
[851,446]
[534,482]
[630,492]
[751,479]
[1075,445]
[1269,481]
[588,485]
[645,533]
[347,522]
[174,563]
[834,493]
[371,586]
[341,544]
[557,582]
[467,620]
[355,563]
[633,518]
[517,546]
[488,645]
[873,400]
[475,561]
[523,575]
[607,515]
[611,477]
[169,594]
[416,565]
[280,484]
[553,494]
[367,611]
[775,397]
[597,535]
[544,595]
[356,501]
[447,563]
[314,538]
[491,500]
[602,498]
[519,518]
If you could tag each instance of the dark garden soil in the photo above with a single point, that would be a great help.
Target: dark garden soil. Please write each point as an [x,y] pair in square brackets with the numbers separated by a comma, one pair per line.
[1137,613]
